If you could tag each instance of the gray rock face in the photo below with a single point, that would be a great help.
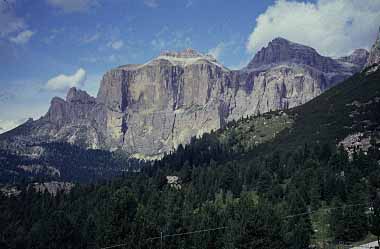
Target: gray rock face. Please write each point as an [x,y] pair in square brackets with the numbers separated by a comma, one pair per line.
[152,108]
[358,57]
[374,54]
[76,108]
[281,51]
[75,120]
[287,74]
[149,109]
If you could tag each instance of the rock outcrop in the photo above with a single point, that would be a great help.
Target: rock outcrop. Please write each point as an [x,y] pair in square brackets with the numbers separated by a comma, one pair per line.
[358,58]
[287,74]
[374,54]
[149,109]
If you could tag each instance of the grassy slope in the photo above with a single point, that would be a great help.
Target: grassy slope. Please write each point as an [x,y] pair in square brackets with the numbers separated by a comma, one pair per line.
[326,119]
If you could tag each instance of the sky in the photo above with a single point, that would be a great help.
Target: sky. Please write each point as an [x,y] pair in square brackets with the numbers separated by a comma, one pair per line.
[48,46]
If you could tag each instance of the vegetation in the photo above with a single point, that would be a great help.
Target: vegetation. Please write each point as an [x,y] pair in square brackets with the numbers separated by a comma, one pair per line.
[64,162]
[258,202]
[290,191]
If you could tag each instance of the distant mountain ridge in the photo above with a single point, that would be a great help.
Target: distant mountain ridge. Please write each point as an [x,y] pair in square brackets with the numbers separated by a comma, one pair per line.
[148,109]
[281,51]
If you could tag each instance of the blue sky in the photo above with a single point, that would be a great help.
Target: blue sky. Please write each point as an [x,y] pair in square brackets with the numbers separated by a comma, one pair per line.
[47,46]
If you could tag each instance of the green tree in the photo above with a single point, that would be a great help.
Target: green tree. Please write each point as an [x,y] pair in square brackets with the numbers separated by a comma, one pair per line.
[261,226]
[374,219]
[298,230]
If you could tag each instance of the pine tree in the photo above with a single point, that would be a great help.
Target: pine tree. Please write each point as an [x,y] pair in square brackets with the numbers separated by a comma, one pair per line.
[374,221]
[298,228]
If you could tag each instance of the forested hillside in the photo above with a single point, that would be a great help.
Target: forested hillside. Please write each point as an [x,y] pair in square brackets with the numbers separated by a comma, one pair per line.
[277,180]
[63,162]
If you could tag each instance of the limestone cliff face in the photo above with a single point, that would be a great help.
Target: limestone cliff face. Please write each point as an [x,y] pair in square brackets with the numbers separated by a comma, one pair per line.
[75,120]
[149,109]
[152,108]
[359,58]
[286,74]
[374,54]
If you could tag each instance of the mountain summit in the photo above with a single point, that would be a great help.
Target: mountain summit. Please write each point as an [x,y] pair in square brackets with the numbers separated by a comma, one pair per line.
[149,109]
[186,53]
[282,51]
[358,57]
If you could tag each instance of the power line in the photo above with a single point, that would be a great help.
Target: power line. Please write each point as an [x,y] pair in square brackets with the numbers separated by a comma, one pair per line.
[323,209]
[169,235]
[114,246]
[162,237]
[186,233]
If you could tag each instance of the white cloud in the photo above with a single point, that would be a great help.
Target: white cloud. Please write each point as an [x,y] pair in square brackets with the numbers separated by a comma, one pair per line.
[116,44]
[72,5]
[217,51]
[333,27]
[151,3]
[22,37]
[62,82]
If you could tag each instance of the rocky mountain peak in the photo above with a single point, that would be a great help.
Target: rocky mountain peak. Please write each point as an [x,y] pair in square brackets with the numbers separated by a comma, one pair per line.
[360,52]
[149,109]
[77,95]
[280,50]
[358,57]
[77,106]
[280,41]
[374,54]
[186,53]
[186,57]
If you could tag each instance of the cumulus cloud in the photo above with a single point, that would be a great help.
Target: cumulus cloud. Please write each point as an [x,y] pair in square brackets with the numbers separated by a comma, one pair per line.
[333,27]
[62,82]
[22,37]
[72,5]
[116,44]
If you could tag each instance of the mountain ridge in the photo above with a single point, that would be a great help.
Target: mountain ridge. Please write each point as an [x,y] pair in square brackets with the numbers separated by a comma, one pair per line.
[147,110]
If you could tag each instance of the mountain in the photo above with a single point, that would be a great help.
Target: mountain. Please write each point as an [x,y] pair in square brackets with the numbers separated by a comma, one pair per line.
[147,110]
[374,55]
[286,74]
[281,51]
[347,114]
[264,181]
[358,57]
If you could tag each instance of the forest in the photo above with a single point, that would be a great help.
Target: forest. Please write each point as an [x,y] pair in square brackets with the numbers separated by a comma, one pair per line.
[313,196]
[298,190]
